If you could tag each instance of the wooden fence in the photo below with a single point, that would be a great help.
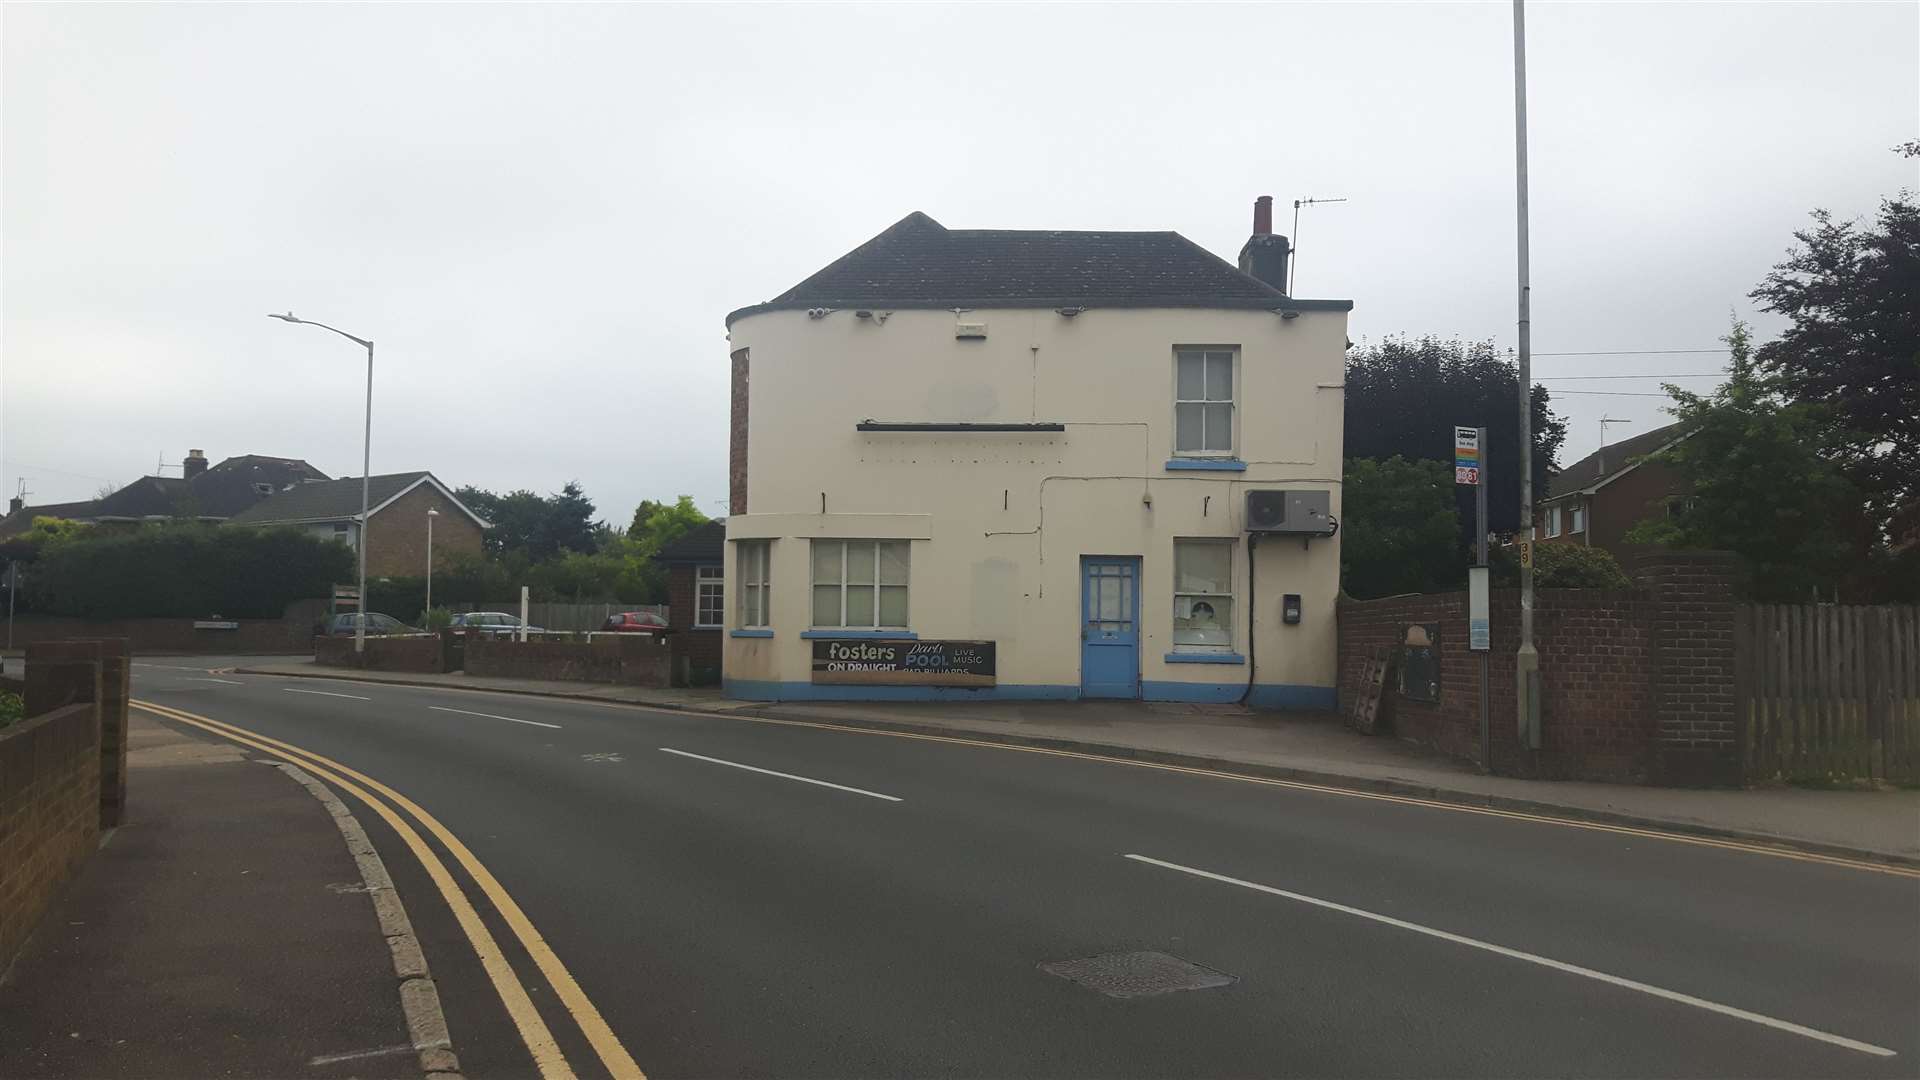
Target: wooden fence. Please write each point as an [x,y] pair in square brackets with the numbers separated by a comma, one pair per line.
[1828,692]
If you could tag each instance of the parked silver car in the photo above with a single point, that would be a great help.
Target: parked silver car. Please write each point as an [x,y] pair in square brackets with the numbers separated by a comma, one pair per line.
[491,623]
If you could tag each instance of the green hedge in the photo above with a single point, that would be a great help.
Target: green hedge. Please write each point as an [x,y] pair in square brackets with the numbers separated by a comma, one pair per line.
[185,570]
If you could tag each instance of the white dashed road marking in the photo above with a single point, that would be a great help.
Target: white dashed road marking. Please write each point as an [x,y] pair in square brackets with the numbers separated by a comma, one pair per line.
[492,716]
[781,775]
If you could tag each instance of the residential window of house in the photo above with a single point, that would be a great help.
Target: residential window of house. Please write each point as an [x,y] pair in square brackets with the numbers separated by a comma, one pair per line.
[1203,593]
[750,568]
[1553,521]
[1579,518]
[1203,402]
[709,596]
[860,584]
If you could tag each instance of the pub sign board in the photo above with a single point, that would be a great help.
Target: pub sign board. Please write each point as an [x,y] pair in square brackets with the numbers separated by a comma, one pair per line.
[850,661]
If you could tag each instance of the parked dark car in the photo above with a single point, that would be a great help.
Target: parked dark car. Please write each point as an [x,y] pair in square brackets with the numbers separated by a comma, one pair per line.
[344,625]
[491,622]
[635,622]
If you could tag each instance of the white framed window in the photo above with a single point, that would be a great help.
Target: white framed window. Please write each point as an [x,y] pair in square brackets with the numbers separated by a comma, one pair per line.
[709,596]
[1579,518]
[1203,593]
[750,570]
[1203,401]
[860,584]
[1553,521]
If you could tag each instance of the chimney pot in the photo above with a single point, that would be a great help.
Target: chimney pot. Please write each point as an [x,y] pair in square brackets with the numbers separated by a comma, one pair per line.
[1263,216]
[14,504]
[194,465]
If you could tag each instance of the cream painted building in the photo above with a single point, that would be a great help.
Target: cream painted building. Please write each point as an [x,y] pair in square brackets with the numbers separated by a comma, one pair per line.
[1016,464]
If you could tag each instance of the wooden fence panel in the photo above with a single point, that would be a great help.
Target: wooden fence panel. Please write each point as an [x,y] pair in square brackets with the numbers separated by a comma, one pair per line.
[1828,692]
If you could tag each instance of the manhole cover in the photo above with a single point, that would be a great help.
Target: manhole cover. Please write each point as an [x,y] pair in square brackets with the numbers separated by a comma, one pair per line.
[1137,974]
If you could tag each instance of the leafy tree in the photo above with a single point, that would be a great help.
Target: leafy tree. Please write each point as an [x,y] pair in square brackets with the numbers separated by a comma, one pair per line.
[1760,484]
[1852,294]
[657,524]
[540,527]
[1405,395]
[1399,531]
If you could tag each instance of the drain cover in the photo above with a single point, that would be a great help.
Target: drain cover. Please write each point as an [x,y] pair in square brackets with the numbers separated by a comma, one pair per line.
[1136,974]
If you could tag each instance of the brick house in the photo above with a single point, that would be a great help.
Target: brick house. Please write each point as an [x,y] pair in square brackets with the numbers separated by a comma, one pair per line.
[397,509]
[696,595]
[1594,501]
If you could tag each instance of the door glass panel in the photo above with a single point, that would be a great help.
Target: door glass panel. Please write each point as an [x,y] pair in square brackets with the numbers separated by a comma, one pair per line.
[1108,605]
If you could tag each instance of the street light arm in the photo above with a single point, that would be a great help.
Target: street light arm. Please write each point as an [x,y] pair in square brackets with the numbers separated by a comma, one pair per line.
[290,318]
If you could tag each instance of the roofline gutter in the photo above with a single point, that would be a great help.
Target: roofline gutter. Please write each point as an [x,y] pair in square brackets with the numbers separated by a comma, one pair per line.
[1279,302]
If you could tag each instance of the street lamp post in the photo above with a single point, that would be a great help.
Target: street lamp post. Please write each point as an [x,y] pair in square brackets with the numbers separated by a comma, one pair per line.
[366,469]
[431,514]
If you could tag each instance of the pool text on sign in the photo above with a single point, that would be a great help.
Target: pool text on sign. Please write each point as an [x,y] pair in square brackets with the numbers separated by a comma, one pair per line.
[848,661]
[1466,455]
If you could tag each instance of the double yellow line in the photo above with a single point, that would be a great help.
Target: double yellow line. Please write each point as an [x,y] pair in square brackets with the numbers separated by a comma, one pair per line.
[513,994]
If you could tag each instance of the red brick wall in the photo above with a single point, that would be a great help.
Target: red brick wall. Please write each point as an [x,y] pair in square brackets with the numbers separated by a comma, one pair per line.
[49,813]
[1597,720]
[1693,663]
[1622,504]
[702,648]
[1637,684]
[397,536]
[630,659]
[737,438]
[425,654]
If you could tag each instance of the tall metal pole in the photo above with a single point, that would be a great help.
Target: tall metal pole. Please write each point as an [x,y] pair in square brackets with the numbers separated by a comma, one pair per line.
[366,468]
[1527,661]
[430,516]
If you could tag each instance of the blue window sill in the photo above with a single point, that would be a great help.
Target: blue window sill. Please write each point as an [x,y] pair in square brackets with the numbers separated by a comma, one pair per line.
[750,633]
[1205,658]
[1207,464]
[897,635]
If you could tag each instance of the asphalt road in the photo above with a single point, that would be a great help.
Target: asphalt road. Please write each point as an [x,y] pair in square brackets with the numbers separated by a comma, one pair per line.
[732,922]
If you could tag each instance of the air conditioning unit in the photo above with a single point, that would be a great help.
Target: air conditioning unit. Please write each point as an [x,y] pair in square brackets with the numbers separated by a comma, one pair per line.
[1292,513]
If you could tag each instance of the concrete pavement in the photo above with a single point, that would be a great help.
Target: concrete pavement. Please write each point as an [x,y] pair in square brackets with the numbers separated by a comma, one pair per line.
[757,897]
[223,930]
[1869,824]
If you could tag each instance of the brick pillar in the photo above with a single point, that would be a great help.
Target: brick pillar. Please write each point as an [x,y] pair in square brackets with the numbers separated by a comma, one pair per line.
[1696,739]
[737,438]
[61,673]
[116,687]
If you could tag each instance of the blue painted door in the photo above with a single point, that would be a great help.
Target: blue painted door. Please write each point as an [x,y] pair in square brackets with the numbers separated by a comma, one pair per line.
[1109,627]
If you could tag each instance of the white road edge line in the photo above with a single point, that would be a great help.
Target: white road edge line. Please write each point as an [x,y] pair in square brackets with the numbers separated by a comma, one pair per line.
[1516,954]
[325,693]
[491,716]
[223,682]
[781,775]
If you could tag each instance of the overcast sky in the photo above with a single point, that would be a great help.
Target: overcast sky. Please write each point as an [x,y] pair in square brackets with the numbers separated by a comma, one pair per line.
[542,214]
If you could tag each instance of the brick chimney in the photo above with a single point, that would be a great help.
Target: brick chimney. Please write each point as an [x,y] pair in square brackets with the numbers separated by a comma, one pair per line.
[195,464]
[1265,255]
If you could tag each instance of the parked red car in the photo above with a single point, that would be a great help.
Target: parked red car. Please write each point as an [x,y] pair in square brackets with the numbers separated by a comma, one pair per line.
[634,622]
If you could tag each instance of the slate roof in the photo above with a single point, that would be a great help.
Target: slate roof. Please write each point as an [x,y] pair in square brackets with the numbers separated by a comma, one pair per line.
[22,520]
[326,500]
[228,488]
[919,263]
[704,543]
[1618,458]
